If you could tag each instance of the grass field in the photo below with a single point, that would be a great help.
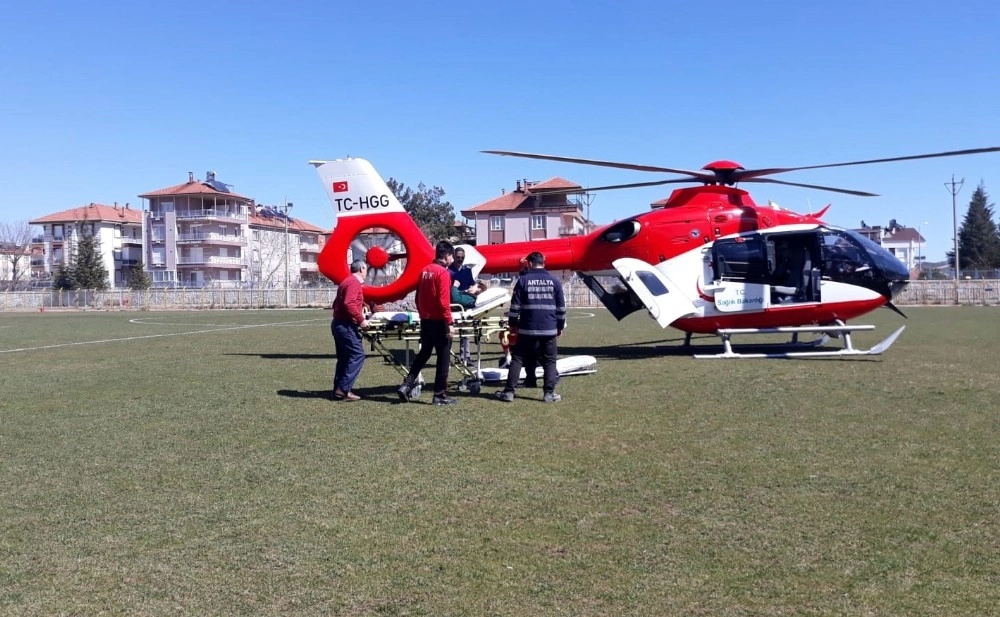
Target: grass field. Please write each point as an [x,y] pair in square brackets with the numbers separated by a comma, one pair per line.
[192,464]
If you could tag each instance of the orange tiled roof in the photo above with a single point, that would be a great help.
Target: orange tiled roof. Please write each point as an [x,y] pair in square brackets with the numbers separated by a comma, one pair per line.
[195,187]
[514,199]
[507,201]
[553,184]
[279,223]
[94,213]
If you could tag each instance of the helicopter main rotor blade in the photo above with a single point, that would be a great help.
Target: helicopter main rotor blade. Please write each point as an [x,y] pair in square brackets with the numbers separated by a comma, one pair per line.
[568,159]
[612,187]
[811,186]
[756,173]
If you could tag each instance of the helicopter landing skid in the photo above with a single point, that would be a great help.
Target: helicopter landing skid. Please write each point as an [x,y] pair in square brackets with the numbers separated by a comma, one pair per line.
[794,349]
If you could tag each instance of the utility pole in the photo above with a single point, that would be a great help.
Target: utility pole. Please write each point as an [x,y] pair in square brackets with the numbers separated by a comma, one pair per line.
[288,206]
[587,199]
[953,188]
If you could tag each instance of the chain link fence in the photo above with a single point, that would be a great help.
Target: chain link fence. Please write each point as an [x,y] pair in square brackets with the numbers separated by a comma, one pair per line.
[933,292]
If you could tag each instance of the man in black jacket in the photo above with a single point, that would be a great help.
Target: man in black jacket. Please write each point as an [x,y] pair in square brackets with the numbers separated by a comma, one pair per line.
[538,315]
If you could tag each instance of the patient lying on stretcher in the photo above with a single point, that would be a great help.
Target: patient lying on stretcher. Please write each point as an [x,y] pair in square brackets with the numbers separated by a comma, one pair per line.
[488,299]
[465,299]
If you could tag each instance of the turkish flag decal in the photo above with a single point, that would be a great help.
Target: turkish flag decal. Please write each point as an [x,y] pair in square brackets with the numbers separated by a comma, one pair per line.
[340,187]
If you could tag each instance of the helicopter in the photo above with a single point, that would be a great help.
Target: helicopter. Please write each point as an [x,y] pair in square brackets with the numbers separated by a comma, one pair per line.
[706,260]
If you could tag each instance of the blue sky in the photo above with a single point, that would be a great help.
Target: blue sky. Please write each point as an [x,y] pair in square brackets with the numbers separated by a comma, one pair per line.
[100,102]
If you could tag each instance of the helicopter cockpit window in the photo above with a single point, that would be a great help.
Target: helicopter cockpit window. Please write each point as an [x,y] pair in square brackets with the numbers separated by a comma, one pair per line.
[843,255]
[742,259]
[621,232]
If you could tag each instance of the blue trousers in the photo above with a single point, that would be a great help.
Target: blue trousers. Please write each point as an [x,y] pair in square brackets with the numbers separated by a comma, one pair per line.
[350,354]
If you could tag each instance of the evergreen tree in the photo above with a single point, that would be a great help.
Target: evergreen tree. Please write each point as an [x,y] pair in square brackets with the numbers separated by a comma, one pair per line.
[978,239]
[65,278]
[435,217]
[138,278]
[88,269]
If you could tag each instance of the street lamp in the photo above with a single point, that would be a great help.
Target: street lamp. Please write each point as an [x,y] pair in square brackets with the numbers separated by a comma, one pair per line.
[288,206]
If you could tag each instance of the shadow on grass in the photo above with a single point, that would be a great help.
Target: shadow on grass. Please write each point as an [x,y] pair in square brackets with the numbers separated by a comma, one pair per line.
[639,350]
[288,356]
[380,394]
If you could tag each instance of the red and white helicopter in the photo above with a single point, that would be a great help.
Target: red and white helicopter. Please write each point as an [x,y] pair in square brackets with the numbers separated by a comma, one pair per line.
[710,260]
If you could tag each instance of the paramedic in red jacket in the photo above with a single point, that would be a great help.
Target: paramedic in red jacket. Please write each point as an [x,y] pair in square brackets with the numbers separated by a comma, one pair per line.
[436,329]
[348,320]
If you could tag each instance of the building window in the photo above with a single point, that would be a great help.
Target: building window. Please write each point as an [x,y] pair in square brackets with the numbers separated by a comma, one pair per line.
[538,221]
[496,223]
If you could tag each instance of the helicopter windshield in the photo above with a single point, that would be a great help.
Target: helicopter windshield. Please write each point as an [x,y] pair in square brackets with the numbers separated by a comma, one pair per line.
[851,257]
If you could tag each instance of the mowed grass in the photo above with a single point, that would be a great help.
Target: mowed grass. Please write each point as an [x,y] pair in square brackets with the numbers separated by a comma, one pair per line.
[192,464]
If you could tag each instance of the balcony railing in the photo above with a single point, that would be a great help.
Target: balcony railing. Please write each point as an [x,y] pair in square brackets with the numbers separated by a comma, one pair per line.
[211,237]
[211,213]
[308,246]
[307,266]
[211,260]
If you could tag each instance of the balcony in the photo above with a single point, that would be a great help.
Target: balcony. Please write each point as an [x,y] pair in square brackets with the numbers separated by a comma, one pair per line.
[571,231]
[307,266]
[211,214]
[309,247]
[212,238]
[210,260]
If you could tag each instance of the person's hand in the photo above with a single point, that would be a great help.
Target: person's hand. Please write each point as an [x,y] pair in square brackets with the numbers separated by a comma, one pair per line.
[365,324]
[559,333]
[451,331]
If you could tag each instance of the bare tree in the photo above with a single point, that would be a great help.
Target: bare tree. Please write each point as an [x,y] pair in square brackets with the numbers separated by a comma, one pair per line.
[267,258]
[15,249]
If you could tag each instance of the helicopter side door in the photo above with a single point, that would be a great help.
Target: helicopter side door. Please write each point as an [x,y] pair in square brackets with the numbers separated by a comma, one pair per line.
[755,271]
[661,296]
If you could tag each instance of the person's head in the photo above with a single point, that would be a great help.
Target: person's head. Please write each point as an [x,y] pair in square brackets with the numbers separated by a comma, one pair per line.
[358,266]
[444,251]
[459,256]
[536,260]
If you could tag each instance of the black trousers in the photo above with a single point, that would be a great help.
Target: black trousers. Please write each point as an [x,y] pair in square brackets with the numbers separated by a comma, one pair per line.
[544,352]
[434,337]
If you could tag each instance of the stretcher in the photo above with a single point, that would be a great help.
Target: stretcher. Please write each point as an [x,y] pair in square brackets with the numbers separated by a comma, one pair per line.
[479,323]
[572,365]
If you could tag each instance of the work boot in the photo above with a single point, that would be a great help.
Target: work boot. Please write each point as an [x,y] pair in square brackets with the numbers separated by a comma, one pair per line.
[551,397]
[404,392]
[442,399]
[504,395]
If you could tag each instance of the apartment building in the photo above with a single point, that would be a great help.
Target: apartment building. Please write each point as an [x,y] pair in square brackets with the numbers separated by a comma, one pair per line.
[282,248]
[532,211]
[118,230]
[194,234]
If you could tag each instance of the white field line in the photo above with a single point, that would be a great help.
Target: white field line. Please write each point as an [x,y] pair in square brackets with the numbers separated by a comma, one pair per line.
[149,336]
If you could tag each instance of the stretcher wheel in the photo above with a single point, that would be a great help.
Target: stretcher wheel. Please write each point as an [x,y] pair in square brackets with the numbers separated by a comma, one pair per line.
[415,391]
[475,387]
